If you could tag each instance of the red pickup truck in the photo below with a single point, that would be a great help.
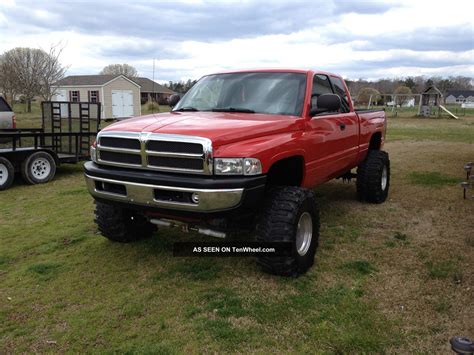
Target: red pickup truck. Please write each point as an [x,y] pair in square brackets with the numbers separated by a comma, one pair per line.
[240,150]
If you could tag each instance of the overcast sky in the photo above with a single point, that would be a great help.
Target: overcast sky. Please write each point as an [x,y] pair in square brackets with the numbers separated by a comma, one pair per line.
[358,39]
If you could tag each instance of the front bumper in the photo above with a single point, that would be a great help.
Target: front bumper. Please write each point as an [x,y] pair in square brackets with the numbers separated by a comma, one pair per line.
[172,191]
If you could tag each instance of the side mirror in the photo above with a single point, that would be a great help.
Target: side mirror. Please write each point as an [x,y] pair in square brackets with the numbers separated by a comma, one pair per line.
[174,99]
[326,103]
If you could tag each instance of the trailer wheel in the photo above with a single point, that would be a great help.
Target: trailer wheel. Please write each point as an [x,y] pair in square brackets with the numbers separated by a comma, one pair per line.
[121,225]
[38,168]
[7,174]
[290,215]
[373,177]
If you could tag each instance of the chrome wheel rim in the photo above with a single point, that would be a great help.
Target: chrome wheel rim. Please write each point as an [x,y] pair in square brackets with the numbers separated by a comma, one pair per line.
[3,174]
[384,179]
[40,168]
[304,233]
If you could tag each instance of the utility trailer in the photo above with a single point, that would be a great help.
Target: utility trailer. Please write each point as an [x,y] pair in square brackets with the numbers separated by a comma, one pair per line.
[67,132]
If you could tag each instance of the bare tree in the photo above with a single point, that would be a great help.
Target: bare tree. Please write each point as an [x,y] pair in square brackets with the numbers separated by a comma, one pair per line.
[52,72]
[117,69]
[24,65]
[8,83]
[33,71]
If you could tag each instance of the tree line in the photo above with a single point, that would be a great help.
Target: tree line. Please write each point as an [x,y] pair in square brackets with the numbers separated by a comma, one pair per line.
[408,85]
[362,89]
[181,87]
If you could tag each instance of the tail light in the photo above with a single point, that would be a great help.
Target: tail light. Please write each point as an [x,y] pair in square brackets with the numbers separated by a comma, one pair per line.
[14,121]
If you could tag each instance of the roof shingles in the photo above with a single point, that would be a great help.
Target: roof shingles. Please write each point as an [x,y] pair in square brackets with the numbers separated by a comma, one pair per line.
[146,85]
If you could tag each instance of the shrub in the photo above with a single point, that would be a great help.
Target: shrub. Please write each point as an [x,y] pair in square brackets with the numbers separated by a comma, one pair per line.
[152,106]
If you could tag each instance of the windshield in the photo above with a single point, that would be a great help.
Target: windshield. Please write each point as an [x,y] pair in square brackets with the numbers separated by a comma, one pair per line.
[251,92]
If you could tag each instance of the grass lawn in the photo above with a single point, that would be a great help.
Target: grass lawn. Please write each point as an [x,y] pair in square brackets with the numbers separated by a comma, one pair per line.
[396,277]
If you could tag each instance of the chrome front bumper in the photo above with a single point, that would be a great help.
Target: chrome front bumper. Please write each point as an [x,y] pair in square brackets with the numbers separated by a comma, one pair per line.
[210,200]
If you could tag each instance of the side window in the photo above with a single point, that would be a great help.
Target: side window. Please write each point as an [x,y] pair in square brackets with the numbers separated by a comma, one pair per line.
[74,96]
[321,85]
[339,88]
[94,96]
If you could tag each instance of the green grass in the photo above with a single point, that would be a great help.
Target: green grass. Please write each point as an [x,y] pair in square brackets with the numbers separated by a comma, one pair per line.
[360,267]
[73,287]
[442,269]
[423,129]
[44,271]
[432,179]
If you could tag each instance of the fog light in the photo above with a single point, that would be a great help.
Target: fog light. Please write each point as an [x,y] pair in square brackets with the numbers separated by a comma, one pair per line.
[195,197]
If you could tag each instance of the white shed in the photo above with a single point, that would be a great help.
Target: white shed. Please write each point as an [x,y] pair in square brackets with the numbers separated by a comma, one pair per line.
[119,95]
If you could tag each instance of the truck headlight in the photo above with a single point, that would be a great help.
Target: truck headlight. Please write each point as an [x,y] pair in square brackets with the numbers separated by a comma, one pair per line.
[93,153]
[237,166]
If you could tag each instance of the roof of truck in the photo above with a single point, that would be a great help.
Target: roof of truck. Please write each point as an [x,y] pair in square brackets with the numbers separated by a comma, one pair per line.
[277,70]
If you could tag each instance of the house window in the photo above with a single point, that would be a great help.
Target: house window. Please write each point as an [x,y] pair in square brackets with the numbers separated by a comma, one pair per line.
[94,96]
[74,96]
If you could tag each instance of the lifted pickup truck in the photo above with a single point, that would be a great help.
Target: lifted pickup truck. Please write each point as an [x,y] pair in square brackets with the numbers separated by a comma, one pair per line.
[239,150]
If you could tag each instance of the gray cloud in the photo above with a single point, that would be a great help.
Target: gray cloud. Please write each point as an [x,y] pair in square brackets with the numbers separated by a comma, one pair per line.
[141,50]
[362,7]
[454,38]
[151,30]
[179,21]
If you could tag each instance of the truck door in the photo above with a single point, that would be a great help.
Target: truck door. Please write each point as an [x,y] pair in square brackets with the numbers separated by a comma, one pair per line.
[331,138]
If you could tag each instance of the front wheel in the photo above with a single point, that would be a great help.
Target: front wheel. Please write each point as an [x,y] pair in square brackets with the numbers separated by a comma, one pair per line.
[373,177]
[121,225]
[290,215]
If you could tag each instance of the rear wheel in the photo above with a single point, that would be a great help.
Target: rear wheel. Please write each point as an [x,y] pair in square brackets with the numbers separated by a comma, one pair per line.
[290,215]
[373,177]
[38,168]
[7,173]
[122,225]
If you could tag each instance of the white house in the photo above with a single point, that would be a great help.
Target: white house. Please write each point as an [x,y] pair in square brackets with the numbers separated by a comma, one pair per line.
[459,97]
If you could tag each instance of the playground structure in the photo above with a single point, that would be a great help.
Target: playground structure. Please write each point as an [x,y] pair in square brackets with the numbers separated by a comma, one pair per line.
[432,101]
[429,103]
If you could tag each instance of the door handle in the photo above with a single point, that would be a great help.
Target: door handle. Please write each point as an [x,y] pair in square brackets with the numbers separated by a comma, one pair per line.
[342,126]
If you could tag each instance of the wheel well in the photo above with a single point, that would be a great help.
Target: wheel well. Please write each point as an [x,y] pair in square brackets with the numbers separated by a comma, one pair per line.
[376,141]
[286,172]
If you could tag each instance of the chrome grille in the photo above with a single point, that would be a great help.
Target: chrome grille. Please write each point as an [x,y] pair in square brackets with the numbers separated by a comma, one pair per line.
[155,151]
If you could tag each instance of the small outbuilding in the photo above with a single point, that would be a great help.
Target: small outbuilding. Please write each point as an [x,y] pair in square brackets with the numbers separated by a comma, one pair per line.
[120,96]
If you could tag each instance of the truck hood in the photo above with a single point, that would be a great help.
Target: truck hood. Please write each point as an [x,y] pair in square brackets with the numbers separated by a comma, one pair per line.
[220,127]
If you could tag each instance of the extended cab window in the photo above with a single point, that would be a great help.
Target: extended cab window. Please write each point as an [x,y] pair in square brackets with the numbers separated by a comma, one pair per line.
[341,91]
[321,85]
